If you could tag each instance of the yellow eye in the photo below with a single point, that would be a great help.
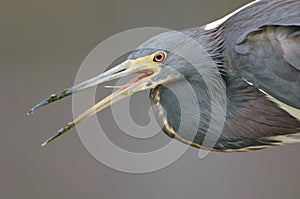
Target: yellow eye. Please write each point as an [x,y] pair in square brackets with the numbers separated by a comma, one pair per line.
[159,57]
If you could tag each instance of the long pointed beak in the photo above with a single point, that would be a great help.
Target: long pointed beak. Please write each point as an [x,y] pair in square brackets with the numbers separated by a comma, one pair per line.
[111,74]
[126,68]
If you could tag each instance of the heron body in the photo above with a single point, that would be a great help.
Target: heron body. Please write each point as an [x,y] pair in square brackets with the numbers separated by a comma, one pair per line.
[256,51]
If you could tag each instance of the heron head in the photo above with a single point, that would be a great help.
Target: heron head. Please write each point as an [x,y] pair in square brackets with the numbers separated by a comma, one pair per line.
[163,59]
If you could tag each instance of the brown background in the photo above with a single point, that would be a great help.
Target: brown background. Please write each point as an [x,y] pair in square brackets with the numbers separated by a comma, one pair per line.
[42,45]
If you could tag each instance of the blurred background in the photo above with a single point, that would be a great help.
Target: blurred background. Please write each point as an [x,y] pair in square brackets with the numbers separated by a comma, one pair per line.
[42,44]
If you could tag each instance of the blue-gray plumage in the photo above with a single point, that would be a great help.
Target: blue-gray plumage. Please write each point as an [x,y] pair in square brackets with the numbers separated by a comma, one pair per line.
[253,56]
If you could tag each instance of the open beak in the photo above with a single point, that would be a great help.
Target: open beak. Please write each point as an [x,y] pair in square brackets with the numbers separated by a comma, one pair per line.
[128,67]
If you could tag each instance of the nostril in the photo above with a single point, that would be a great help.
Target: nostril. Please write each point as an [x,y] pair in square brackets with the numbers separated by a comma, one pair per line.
[119,71]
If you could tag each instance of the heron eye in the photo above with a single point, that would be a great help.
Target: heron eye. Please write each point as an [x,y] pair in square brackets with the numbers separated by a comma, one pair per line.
[159,57]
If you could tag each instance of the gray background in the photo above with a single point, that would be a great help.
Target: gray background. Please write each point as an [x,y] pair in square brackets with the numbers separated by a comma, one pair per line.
[42,45]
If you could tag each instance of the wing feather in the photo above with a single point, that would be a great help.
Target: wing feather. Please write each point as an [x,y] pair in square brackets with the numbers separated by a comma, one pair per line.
[262,45]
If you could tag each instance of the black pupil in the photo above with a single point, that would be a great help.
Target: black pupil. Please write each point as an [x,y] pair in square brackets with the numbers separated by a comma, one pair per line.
[159,57]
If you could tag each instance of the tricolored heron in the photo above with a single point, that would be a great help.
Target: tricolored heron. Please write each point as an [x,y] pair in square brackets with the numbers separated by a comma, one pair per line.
[257,51]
